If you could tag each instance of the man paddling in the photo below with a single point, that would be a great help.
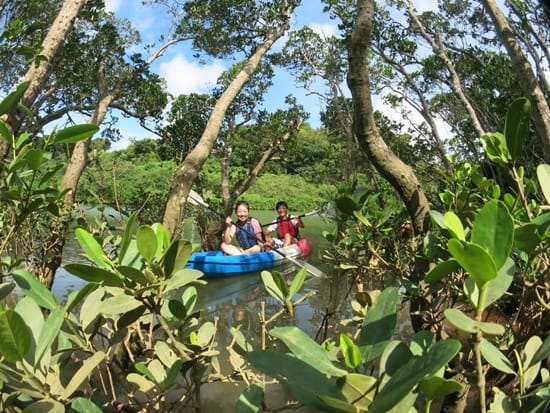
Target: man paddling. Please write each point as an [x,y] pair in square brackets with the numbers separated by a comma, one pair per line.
[287,226]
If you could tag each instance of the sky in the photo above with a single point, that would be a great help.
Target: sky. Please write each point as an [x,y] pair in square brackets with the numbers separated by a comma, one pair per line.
[184,74]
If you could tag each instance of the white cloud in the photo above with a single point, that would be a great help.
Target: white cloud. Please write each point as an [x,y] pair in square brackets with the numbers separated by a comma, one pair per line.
[424,5]
[112,5]
[324,29]
[184,77]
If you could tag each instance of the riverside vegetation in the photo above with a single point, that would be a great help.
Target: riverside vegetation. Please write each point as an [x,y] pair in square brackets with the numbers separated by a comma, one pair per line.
[132,340]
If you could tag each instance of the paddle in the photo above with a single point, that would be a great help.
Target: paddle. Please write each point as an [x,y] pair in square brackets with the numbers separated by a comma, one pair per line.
[314,212]
[196,199]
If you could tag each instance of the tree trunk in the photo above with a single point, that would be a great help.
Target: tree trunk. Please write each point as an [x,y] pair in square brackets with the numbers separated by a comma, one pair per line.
[400,175]
[396,172]
[46,263]
[39,70]
[531,87]
[191,165]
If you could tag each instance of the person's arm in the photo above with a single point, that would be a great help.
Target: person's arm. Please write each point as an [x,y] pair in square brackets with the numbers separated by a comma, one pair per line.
[256,226]
[297,222]
[229,231]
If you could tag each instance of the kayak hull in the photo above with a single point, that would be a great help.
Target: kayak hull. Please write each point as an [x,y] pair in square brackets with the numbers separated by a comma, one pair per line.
[217,264]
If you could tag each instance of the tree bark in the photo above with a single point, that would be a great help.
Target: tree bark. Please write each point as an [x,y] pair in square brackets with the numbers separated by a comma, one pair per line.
[531,87]
[189,169]
[400,175]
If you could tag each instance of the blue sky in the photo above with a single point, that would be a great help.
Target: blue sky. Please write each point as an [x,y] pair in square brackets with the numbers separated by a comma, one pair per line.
[184,74]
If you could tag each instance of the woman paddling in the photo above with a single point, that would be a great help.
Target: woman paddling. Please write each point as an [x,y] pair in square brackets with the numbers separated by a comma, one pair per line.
[247,229]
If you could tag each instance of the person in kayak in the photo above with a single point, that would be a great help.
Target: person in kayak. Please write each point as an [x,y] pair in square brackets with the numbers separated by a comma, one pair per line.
[287,226]
[247,229]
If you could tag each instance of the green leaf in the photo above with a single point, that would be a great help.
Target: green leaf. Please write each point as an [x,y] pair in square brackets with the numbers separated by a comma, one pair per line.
[307,350]
[460,320]
[493,230]
[352,354]
[172,374]
[45,406]
[176,256]
[94,274]
[406,378]
[492,329]
[464,323]
[129,231]
[494,288]
[358,389]
[34,158]
[441,270]
[542,222]
[143,369]
[362,219]
[301,380]
[9,103]
[49,333]
[529,351]
[6,289]
[15,336]
[542,352]
[346,204]
[297,283]
[146,243]
[35,289]
[181,278]
[421,342]
[437,218]
[93,250]
[130,317]
[141,382]
[75,297]
[119,304]
[250,400]
[437,387]
[21,140]
[272,287]
[495,147]
[498,286]
[337,405]
[474,259]
[5,132]
[82,374]
[454,225]
[395,355]
[82,405]
[189,298]
[495,357]
[133,274]
[75,133]
[527,238]
[516,126]
[177,309]
[543,174]
[379,324]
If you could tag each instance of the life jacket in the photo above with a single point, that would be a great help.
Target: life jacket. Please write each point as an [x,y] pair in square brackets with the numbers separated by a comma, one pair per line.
[286,227]
[245,233]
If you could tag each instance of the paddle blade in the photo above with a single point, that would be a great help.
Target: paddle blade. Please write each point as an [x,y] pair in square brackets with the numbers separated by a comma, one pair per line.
[196,199]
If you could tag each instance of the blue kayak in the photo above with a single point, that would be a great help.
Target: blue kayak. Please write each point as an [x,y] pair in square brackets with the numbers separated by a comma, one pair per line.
[217,264]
